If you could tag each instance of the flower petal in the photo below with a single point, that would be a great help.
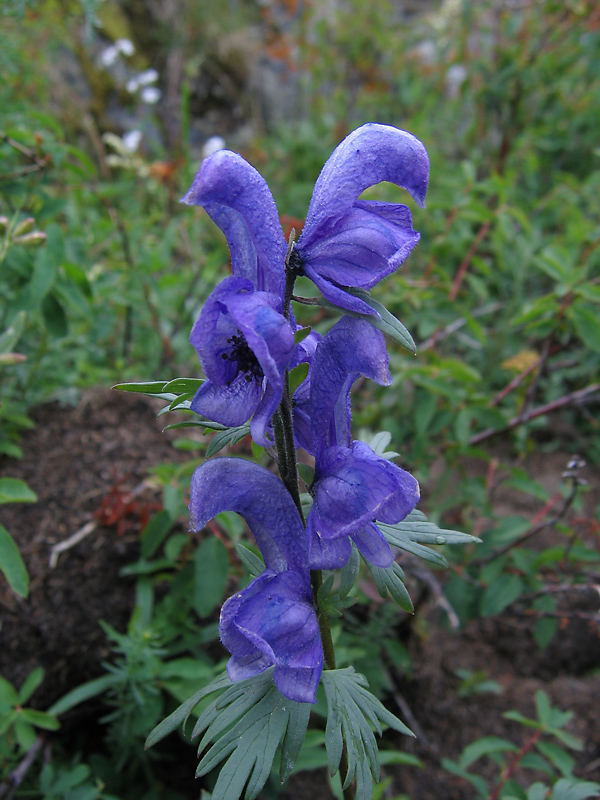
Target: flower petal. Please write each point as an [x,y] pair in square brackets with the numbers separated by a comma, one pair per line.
[369,155]
[234,484]
[373,545]
[326,553]
[229,405]
[369,242]
[351,348]
[355,486]
[274,616]
[238,200]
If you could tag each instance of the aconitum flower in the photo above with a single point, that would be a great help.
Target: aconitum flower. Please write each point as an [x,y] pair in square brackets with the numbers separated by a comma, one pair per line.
[243,340]
[272,621]
[244,345]
[347,242]
[353,486]
[238,200]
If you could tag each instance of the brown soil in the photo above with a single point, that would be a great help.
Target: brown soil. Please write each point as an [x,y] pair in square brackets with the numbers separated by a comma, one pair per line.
[75,457]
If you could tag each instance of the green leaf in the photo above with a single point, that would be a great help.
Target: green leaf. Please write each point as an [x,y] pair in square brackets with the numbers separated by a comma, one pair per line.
[349,572]
[30,684]
[154,533]
[11,564]
[230,436]
[13,490]
[8,694]
[149,387]
[307,473]
[485,747]
[183,385]
[40,719]
[13,333]
[574,790]
[253,563]
[55,316]
[543,707]
[298,376]
[563,762]
[211,568]
[352,710]
[195,423]
[181,714]
[82,693]
[586,319]
[391,580]
[385,322]
[380,441]
[246,725]
[301,335]
[500,594]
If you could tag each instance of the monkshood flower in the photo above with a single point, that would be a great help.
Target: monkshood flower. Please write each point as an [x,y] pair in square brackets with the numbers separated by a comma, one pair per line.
[238,200]
[245,345]
[347,242]
[353,486]
[304,353]
[272,621]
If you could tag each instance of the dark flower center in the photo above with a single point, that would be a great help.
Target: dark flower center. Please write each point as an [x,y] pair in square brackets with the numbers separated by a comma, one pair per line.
[243,357]
[296,264]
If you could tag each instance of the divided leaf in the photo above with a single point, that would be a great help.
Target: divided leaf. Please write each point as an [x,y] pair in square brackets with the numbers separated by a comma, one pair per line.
[245,726]
[352,710]
[416,531]
[390,580]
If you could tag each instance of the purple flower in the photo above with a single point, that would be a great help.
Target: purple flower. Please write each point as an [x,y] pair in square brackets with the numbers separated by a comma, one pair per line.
[238,200]
[272,620]
[347,242]
[353,486]
[244,345]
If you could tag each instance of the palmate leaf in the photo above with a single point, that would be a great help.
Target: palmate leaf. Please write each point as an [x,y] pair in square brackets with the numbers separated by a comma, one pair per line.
[245,726]
[416,531]
[352,710]
[390,580]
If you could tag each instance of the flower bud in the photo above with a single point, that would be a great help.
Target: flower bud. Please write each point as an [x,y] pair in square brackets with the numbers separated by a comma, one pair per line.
[11,358]
[4,223]
[34,239]
[24,226]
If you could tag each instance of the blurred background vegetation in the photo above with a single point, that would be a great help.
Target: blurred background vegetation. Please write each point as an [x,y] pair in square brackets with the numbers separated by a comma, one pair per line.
[106,110]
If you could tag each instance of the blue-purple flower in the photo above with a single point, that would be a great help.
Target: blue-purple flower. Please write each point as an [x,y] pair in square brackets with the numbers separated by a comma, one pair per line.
[347,242]
[353,486]
[244,345]
[272,621]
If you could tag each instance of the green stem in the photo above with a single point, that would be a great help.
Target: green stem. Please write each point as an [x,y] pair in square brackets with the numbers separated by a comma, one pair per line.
[286,450]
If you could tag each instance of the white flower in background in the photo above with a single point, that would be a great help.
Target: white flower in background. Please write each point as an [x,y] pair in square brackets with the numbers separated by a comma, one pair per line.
[146,77]
[211,145]
[150,95]
[426,52]
[131,140]
[125,46]
[132,85]
[109,56]
[455,77]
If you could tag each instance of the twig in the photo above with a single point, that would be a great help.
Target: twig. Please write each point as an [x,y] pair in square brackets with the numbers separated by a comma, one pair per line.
[74,539]
[514,763]
[8,788]
[555,405]
[535,529]
[467,260]
[434,586]
[452,327]
[88,528]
